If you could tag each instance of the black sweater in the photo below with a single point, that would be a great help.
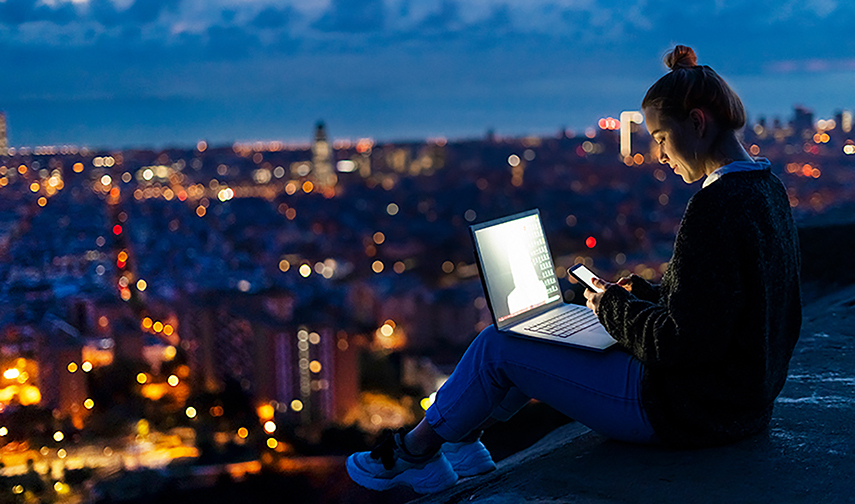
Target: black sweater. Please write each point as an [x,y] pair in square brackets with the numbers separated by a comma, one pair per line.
[717,335]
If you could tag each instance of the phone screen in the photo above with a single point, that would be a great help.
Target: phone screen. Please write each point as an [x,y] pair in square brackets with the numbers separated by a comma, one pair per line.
[585,276]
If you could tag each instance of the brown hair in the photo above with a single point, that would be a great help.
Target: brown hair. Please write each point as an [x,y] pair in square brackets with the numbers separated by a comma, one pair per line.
[688,86]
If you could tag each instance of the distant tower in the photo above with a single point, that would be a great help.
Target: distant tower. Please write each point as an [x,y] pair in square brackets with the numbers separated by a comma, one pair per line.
[626,119]
[803,122]
[322,158]
[4,142]
[846,121]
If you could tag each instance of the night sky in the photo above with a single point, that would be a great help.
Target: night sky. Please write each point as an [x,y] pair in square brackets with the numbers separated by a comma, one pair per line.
[138,73]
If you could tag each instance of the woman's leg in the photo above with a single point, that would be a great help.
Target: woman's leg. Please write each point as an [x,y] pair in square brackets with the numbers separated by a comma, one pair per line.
[599,389]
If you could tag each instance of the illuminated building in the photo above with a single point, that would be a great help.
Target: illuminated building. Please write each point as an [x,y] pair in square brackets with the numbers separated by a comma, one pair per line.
[843,122]
[846,121]
[363,160]
[627,119]
[4,141]
[322,158]
[319,369]
[309,371]
[61,379]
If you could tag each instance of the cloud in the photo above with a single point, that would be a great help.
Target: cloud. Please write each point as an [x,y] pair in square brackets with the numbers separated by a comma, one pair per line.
[147,11]
[319,25]
[353,16]
[17,12]
[229,42]
[273,17]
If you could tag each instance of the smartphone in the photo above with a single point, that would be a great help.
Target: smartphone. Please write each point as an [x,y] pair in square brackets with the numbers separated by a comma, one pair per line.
[584,276]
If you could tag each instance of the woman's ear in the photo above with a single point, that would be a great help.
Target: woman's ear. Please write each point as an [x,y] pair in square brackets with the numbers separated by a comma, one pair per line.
[699,121]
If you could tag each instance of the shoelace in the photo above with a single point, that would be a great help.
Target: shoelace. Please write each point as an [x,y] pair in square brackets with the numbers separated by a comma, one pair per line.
[385,449]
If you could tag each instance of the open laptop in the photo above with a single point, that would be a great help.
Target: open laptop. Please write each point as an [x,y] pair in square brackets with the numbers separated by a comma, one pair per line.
[521,287]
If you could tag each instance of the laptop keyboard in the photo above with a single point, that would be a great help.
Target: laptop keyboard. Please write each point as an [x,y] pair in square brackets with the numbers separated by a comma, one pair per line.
[565,323]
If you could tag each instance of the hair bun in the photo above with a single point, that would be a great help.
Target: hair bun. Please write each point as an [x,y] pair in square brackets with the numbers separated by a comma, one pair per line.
[681,57]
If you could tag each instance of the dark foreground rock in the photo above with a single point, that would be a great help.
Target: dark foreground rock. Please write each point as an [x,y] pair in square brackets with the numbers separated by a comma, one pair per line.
[807,455]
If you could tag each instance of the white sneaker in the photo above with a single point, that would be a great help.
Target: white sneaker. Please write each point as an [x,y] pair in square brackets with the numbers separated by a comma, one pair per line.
[388,465]
[469,459]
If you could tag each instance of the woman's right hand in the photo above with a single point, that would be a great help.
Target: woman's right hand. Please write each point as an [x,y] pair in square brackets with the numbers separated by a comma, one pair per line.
[626,283]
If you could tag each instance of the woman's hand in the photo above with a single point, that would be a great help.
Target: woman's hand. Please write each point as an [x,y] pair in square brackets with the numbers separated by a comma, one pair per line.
[626,283]
[595,297]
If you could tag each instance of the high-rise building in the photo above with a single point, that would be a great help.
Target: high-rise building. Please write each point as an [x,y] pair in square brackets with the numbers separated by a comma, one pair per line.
[845,121]
[4,141]
[322,158]
[627,118]
[803,122]
[311,372]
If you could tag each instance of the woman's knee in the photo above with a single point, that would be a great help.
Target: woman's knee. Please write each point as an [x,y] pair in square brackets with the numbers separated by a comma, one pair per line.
[489,339]
[493,345]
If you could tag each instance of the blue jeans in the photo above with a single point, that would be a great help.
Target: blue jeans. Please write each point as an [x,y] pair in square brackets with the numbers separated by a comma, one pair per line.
[499,373]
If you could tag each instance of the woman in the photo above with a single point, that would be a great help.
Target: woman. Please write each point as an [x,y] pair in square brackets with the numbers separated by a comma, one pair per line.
[701,357]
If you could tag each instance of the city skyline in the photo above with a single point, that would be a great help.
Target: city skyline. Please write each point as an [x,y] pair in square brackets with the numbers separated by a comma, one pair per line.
[144,73]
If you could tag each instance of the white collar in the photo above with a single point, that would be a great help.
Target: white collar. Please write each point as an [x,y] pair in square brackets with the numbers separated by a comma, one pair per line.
[737,166]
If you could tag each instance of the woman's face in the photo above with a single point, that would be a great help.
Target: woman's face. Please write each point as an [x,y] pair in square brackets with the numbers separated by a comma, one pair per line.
[678,144]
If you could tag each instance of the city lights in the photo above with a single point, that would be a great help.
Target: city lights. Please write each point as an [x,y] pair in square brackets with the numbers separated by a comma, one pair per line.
[214,308]
[608,123]
[265,412]
[269,427]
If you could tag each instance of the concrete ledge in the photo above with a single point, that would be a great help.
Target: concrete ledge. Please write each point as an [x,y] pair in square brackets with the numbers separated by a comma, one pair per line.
[807,455]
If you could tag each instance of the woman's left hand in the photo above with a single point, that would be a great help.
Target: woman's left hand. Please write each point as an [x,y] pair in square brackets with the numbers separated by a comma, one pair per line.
[595,297]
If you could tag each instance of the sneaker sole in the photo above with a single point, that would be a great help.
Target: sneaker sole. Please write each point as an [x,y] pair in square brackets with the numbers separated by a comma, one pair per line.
[476,470]
[423,486]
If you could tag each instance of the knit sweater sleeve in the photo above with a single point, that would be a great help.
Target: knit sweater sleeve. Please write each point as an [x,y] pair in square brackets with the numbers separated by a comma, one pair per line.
[696,312]
[642,289]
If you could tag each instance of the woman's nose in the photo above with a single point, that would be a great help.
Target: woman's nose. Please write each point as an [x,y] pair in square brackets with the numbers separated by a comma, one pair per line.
[663,158]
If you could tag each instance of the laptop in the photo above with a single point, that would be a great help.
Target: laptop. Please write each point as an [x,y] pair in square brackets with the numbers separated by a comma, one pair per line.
[521,287]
